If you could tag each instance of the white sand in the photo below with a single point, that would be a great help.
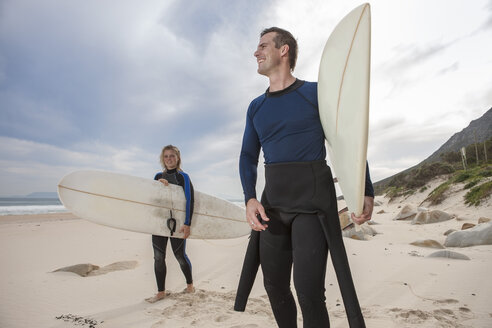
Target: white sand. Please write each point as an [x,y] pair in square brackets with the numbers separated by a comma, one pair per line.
[397,285]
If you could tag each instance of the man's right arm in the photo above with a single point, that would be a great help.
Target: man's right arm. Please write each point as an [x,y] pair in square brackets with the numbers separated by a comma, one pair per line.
[248,160]
[248,170]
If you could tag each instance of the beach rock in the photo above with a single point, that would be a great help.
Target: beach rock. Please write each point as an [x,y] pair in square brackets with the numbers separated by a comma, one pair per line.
[467,226]
[478,235]
[408,212]
[344,220]
[483,220]
[82,270]
[87,269]
[365,232]
[449,231]
[428,243]
[117,266]
[381,212]
[450,255]
[433,216]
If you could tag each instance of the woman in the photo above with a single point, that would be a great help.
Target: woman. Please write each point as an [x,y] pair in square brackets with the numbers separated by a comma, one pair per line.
[172,173]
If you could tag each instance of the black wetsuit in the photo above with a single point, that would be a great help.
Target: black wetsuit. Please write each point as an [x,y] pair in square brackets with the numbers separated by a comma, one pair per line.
[178,245]
[300,200]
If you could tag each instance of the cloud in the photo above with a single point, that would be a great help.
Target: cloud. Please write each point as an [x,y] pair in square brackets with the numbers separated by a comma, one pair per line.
[130,75]
[197,22]
[488,23]
[33,118]
[404,67]
[387,123]
[85,85]
[23,160]
[452,68]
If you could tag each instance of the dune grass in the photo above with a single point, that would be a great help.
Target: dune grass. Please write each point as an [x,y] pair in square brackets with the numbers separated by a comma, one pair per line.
[473,179]
[478,193]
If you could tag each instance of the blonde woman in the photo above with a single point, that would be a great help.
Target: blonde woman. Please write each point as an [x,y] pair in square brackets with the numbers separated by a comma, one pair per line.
[172,174]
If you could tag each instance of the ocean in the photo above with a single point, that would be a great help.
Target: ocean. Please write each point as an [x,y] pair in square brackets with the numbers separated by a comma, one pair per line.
[28,205]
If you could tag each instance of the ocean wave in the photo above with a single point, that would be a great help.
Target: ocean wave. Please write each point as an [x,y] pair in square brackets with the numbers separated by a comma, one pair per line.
[31,209]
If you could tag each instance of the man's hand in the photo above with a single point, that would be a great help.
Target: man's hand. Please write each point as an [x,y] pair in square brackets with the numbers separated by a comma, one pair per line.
[253,207]
[185,229]
[366,212]
[164,181]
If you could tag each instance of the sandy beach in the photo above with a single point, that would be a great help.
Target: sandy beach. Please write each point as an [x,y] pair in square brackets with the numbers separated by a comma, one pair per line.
[397,283]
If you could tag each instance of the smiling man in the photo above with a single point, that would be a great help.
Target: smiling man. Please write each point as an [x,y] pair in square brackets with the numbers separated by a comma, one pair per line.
[297,220]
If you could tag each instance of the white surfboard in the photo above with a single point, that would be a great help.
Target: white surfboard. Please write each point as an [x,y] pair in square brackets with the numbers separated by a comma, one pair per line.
[343,97]
[144,205]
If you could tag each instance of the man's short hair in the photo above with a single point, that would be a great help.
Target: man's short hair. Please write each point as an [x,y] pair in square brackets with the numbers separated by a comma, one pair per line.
[284,37]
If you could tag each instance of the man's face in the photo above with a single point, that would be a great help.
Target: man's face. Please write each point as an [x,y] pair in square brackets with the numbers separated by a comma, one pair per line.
[267,56]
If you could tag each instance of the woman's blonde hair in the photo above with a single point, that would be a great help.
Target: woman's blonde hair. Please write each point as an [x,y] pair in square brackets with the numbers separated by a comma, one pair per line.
[176,151]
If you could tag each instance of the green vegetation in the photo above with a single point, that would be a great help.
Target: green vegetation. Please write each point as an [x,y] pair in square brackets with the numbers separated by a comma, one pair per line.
[476,177]
[472,183]
[472,178]
[437,195]
[394,192]
[407,183]
[454,157]
[476,194]
[462,176]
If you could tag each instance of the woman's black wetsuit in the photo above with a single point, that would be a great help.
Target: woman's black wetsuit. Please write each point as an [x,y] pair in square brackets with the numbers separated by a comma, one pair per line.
[178,245]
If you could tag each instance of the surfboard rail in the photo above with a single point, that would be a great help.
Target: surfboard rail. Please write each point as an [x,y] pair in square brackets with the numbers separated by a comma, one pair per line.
[343,98]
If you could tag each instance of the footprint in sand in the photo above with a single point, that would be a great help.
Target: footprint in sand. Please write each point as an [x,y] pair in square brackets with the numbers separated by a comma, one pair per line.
[439,317]
[222,318]
[446,301]
[212,306]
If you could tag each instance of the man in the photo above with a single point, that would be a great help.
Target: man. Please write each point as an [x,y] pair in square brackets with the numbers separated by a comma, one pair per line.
[297,220]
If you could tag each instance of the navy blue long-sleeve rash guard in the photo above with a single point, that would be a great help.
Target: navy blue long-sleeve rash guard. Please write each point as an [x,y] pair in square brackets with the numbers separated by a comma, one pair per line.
[286,124]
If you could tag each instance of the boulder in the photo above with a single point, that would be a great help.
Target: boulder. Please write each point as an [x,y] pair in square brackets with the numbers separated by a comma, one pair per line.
[117,266]
[432,216]
[483,220]
[478,235]
[467,226]
[345,220]
[449,231]
[449,255]
[82,270]
[428,243]
[408,212]
[87,269]
[365,232]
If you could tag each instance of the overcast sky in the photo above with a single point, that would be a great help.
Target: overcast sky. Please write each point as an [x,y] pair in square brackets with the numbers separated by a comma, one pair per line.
[105,84]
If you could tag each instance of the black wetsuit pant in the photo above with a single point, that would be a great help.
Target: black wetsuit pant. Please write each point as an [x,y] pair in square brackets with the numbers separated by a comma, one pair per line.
[178,245]
[295,240]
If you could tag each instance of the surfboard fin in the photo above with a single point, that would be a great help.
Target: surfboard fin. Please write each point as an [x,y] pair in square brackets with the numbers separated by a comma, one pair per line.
[171,223]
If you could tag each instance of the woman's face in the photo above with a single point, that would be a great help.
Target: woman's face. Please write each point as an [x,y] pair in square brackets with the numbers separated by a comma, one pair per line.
[170,159]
